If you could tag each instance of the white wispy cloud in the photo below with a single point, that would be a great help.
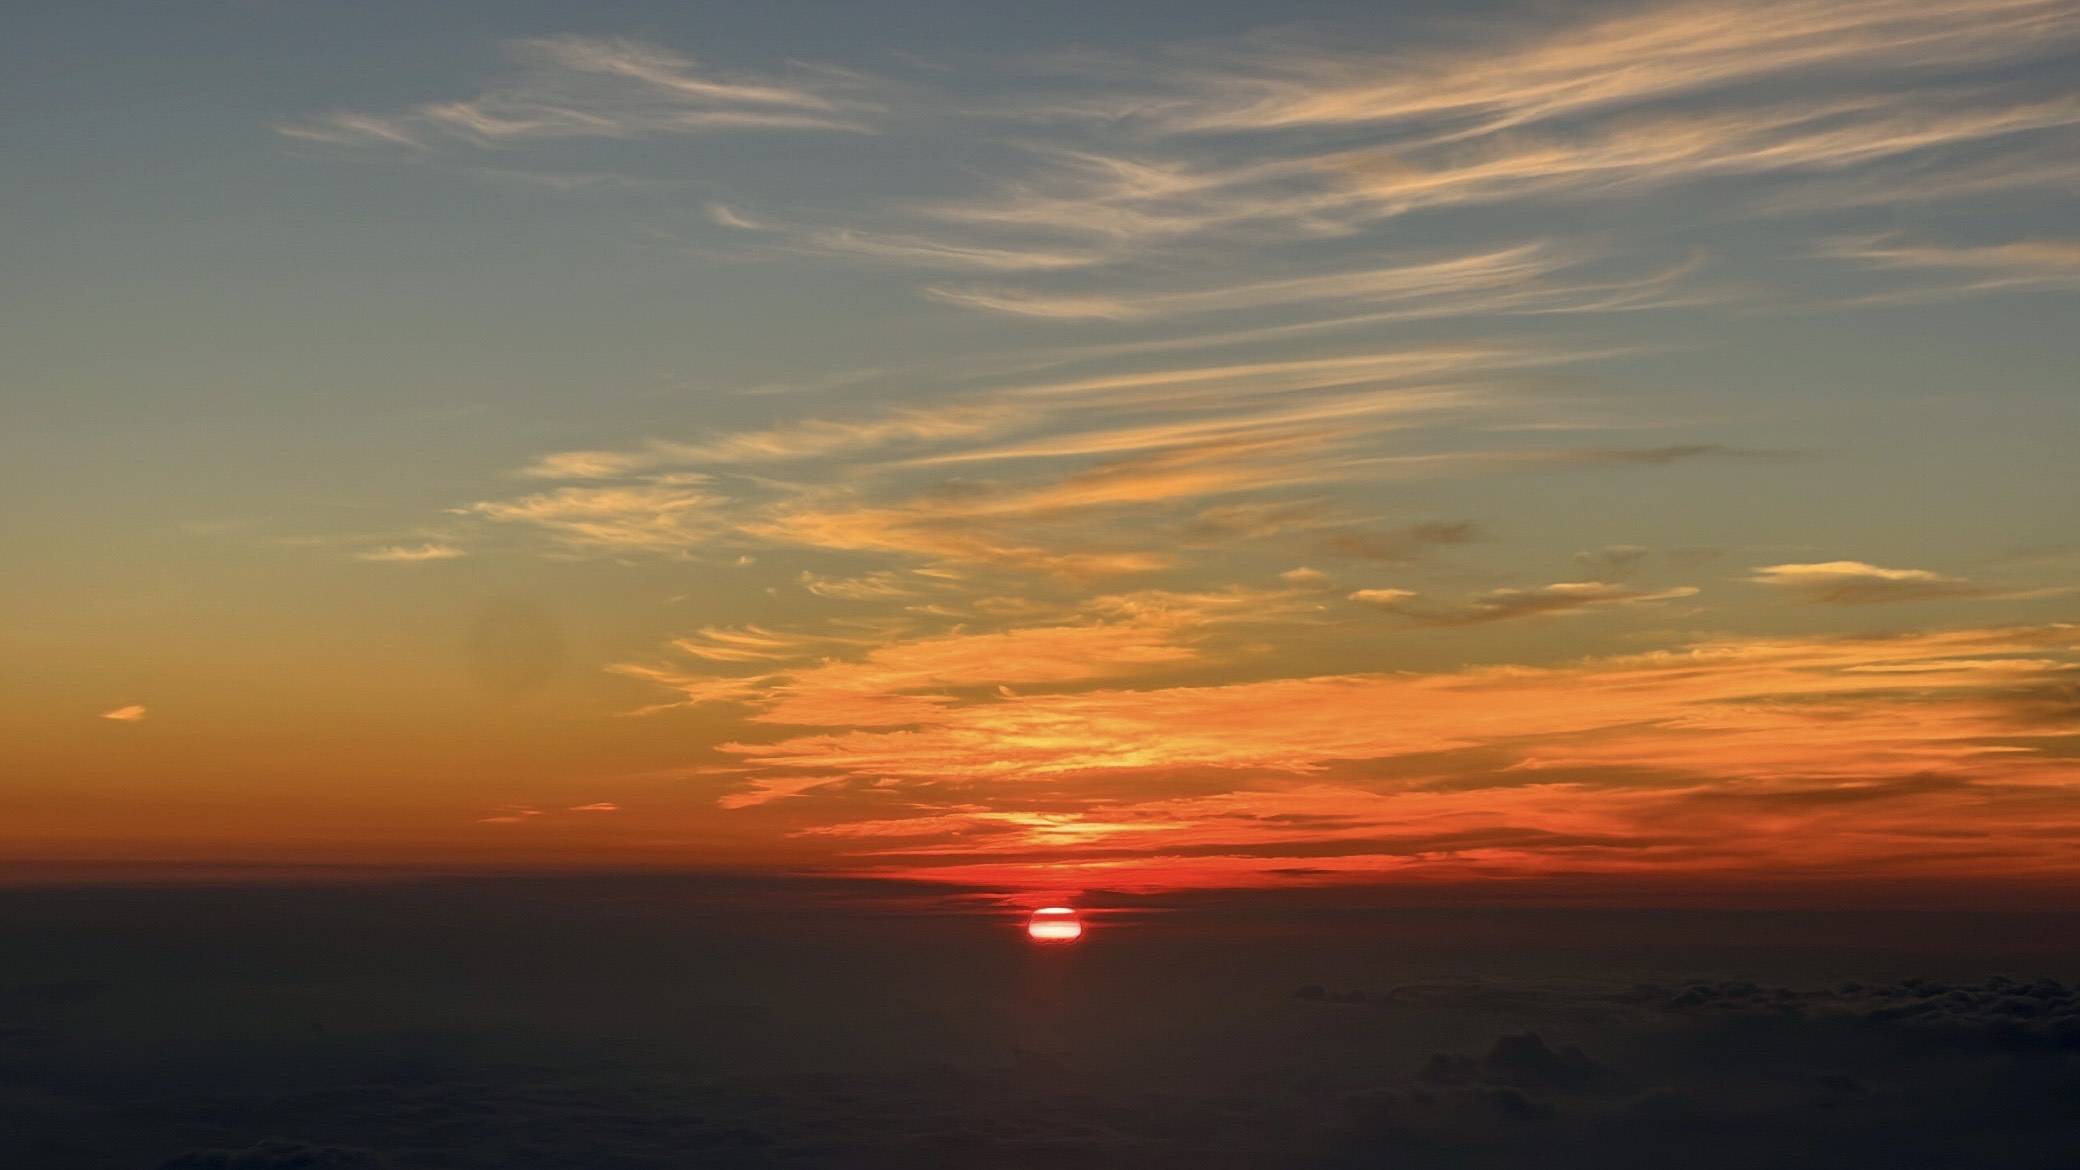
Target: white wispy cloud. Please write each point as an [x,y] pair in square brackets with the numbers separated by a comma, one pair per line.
[603,87]
[811,438]
[655,516]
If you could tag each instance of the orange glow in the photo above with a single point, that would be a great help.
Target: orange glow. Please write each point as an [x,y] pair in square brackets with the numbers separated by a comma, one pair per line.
[1054,924]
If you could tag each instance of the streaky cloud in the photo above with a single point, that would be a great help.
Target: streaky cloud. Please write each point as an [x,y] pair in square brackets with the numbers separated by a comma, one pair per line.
[601,87]
[1649,54]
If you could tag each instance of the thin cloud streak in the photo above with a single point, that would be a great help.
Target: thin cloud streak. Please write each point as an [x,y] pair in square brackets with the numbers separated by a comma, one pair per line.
[2019,266]
[653,517]
[1506,281]
[600,87]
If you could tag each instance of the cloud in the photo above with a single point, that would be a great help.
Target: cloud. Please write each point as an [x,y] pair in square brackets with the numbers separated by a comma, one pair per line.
[1657,762]
[600,806]
[655,516]
[1612,62]
[767,789]
[134,713]
[2023,265]
[1613,562]
[1556,1037]
[1249,143]
[511,814]
[871,587]
[1504,281]
[1855,583]
[906,681]
[601,87]
[411,553]
[805,439]
[1348,414]
[1400,545]
[1054,526]
[1421,282]
[1383,598]
[926,252]
[756,644]
[1114,453]
[1637,154]
[1132,204]
[278,1155]
[1505,604]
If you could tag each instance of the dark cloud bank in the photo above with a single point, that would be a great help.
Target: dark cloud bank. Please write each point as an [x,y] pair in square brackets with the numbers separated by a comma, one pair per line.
[648,1023]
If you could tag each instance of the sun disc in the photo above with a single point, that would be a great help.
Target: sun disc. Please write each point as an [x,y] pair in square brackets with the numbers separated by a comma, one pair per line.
[1054,924]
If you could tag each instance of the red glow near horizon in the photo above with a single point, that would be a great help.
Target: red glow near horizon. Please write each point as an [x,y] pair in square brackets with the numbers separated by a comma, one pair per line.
[1054,924]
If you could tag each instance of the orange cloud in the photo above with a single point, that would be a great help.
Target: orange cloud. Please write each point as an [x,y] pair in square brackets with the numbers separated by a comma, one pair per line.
[911,681]
[410,553]
[1735,755]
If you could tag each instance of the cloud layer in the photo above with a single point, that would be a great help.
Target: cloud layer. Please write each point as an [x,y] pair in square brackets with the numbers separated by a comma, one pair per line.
[1233,548]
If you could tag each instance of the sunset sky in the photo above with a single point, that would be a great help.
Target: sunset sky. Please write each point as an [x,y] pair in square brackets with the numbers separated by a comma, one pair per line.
[1046,447]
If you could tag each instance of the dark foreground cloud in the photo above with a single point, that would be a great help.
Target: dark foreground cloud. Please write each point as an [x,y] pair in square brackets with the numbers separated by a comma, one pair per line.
[520,1025]
[277,1155]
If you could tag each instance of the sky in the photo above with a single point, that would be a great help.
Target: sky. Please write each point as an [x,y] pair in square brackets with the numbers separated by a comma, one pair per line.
[1047,448]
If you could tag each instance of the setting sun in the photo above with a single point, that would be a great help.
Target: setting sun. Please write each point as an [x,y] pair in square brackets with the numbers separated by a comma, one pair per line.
[1054,924]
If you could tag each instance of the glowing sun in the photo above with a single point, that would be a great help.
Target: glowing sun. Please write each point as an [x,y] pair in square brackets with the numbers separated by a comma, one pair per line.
[1054,924]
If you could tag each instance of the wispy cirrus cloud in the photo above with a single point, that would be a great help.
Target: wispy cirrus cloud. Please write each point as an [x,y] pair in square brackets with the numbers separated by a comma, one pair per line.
[813,438]
[658,517]
[1634,57]
[1621,106]
[1123,207]
[1071,462]
[1505,281]
[756,644]
[602,87]
[2018,266]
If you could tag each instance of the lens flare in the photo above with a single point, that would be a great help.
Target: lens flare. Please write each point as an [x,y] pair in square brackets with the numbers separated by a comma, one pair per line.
[1054,924]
